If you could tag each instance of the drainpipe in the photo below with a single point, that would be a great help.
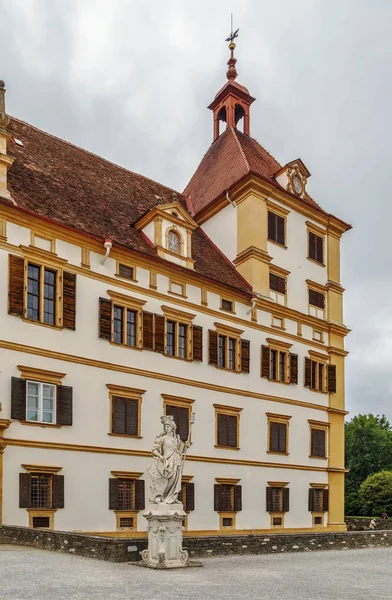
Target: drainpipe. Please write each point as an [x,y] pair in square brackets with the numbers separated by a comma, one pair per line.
[108,246]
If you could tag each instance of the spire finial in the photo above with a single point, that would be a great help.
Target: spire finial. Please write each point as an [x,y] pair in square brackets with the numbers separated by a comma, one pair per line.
[4,118]
[232,71]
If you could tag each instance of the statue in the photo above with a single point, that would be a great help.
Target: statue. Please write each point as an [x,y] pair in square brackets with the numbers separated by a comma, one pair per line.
[164,474]
[165,513]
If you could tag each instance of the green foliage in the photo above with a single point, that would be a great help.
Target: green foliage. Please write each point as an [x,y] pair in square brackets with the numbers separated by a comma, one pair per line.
[375,493]
[368,451]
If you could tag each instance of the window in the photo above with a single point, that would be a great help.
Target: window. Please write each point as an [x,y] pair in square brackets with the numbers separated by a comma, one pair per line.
[318,499]
[278,433]
[276,228]
[315,375]
[316,247]
[126,494]
[277,502]
[227,426]
[277,322]
[125,410]
[227,305]
[41,490]
[120,319]
[181,416]
[227,350]
[176,339]
[227,501]
[277,363]
[318,438]
[277,288]
[126,497]
[187,495]
[125,271]
[40,293]
[316,303]
[41,402]
[124,326]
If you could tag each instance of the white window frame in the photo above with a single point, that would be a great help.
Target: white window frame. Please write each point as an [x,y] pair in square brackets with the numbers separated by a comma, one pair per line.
[40,410]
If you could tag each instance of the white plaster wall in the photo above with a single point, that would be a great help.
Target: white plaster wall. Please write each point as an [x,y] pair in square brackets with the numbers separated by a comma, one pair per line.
[222,229]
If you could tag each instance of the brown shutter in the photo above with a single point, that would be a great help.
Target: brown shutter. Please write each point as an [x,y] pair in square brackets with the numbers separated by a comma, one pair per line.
[213,347]
[222,430]
[308,372]
[190,496]
[183,423]
[140,501]
[18,399]
[326,500]
[312,245]
[16,285]
[197,343]
[64,405]
[319,253]
[313,442]
[237,498]
[159,333]
[269,506]
[118,415]
[293,368]
[286,499]
[105,319]
[148,338]
[265,361]
[245,356]
[232,423]
[331,377]
[311,499]
[113,494]
[282,437]
[132,417]
[321,441]
[69,300]
[58,491]
[217,497]
[24,490]
[274,437]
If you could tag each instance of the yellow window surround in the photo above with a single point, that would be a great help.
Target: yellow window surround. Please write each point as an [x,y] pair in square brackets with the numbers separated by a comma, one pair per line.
[174,314]
[3,229]
[227,480]
[226,299]
[315,229]
[132,394]
[227,410]
[223,409]
[279,271]
[318,357]
[35,236]
[126,301]
[275,208]
[47,469]
[127,474]
[186,478]
[126,514]
[278,484]
[278,344]
[277,520]
[172,287]
[41,375]
[177,401]
[43,512]
[126,264]
[43,263]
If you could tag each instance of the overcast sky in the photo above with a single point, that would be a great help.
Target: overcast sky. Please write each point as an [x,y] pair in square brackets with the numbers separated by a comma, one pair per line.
[130,80]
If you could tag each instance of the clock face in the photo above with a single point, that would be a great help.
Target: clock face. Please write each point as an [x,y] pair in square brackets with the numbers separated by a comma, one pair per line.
[297,183]
[174,242]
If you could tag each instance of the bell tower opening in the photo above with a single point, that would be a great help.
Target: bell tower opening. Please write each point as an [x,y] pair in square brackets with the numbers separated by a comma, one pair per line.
[232,103]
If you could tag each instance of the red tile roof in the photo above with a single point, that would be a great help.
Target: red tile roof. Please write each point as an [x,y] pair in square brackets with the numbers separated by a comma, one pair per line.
[231,157]
[57,180]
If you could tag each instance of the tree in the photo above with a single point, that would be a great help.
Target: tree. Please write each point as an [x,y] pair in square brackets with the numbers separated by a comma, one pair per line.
[368,451]
[375,494]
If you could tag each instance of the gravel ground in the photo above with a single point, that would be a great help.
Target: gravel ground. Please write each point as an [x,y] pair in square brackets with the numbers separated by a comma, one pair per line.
[30,574]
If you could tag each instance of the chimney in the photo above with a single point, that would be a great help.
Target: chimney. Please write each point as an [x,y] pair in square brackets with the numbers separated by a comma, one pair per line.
[5,161]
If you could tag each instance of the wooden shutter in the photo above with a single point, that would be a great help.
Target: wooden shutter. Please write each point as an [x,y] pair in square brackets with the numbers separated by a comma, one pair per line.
[190,496]
[293,368]
[69,300]
[217,497]
[197,343]
[308,372]
[237,498]
[148,338]
[159,333]
[24,490]
[64,405]
[286,499]
[140,501]
[118,415]
[222,430]
[232,422]
[311,499]
[331,378]
[326,500]
[280,230]
[16,285]
[318,442]
[265,361]
[245,356]
[316,299]
[274,437]
[105,319]
[18,399]
[319,249]
[269,506]
[213,347]
[58,491]
[113,494]
[132,417]
[180,415]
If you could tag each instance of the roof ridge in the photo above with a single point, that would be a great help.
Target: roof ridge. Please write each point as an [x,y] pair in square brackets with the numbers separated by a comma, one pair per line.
[240,147]
[51,135]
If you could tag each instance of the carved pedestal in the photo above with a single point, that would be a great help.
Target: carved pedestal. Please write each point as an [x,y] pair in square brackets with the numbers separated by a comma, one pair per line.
[165,537]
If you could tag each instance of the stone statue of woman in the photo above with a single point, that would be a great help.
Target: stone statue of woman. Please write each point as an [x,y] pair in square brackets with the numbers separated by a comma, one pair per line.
[164,474]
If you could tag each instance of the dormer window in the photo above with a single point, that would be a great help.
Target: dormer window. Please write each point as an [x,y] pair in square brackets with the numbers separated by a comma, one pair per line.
[173,242]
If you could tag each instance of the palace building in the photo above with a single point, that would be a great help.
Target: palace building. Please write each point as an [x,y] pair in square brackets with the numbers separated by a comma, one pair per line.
[122,300]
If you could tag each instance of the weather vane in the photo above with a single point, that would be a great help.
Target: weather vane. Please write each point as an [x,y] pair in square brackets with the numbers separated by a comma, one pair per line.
[232,35]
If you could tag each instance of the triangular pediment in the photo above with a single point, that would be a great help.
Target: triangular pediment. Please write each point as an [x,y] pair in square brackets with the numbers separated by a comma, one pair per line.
[172,211]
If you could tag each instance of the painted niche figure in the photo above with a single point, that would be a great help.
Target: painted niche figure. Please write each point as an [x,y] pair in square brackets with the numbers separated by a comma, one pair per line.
[164,474]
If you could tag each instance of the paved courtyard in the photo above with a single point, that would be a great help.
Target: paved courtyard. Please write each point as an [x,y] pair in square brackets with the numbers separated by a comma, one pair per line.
[30,574]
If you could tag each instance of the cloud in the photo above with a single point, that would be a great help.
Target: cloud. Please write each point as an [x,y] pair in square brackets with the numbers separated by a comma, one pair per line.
[131,82]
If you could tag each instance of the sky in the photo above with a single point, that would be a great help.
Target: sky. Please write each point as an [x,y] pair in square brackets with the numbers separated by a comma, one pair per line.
[131,79]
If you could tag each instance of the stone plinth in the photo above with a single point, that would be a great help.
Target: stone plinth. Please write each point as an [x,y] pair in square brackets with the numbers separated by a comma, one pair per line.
[165,537]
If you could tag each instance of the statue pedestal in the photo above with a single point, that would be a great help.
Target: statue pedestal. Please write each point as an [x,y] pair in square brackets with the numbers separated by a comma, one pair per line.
[165,537]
